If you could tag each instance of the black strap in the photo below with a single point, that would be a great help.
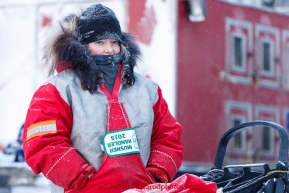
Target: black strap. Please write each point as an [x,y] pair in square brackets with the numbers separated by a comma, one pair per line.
[157,179]
[283,150]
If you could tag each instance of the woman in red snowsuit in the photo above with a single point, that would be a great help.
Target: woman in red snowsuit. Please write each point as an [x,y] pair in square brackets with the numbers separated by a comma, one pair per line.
[98,126]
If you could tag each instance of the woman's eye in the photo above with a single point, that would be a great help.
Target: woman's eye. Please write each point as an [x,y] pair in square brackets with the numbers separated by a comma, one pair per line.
[115,42]
[99,42]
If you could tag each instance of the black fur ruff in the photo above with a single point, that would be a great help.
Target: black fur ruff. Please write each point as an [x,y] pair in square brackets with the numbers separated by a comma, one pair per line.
[65,48]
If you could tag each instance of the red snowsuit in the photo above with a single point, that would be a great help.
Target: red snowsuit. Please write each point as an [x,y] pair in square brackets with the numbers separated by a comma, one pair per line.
[65,124]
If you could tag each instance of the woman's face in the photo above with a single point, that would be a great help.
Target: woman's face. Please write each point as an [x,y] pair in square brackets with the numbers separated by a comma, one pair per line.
[104,47]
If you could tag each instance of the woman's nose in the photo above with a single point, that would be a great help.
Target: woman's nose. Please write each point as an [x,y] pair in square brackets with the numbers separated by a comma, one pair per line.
[108,49]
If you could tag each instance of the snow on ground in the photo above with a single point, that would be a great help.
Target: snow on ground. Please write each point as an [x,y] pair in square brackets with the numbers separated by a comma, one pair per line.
[21,175]
[25,189]
[42,185]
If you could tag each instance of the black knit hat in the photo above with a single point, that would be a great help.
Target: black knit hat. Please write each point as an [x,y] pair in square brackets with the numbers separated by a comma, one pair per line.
[98,22]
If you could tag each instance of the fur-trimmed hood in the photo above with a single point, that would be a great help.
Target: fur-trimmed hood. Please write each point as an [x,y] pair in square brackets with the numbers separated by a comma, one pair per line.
[64,49]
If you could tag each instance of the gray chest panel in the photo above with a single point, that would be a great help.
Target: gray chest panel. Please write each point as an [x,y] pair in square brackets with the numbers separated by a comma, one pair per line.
[89,113]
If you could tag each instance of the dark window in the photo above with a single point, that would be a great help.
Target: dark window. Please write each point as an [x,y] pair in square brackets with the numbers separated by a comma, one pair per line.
[266,57]
[237,137]
[238,61]
[266,145]
[268,3]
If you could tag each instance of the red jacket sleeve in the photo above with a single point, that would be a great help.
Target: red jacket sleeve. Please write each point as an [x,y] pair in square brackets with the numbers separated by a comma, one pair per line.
[166,147]
[47,146]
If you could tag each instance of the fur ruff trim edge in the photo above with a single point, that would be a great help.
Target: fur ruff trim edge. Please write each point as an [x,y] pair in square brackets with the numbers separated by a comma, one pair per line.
[63,48]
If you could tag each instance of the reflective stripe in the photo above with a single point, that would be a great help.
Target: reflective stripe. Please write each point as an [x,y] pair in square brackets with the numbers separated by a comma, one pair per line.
[41,128]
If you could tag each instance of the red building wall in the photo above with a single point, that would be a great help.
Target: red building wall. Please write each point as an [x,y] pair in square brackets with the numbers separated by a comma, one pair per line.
[141,20]
[202,94]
